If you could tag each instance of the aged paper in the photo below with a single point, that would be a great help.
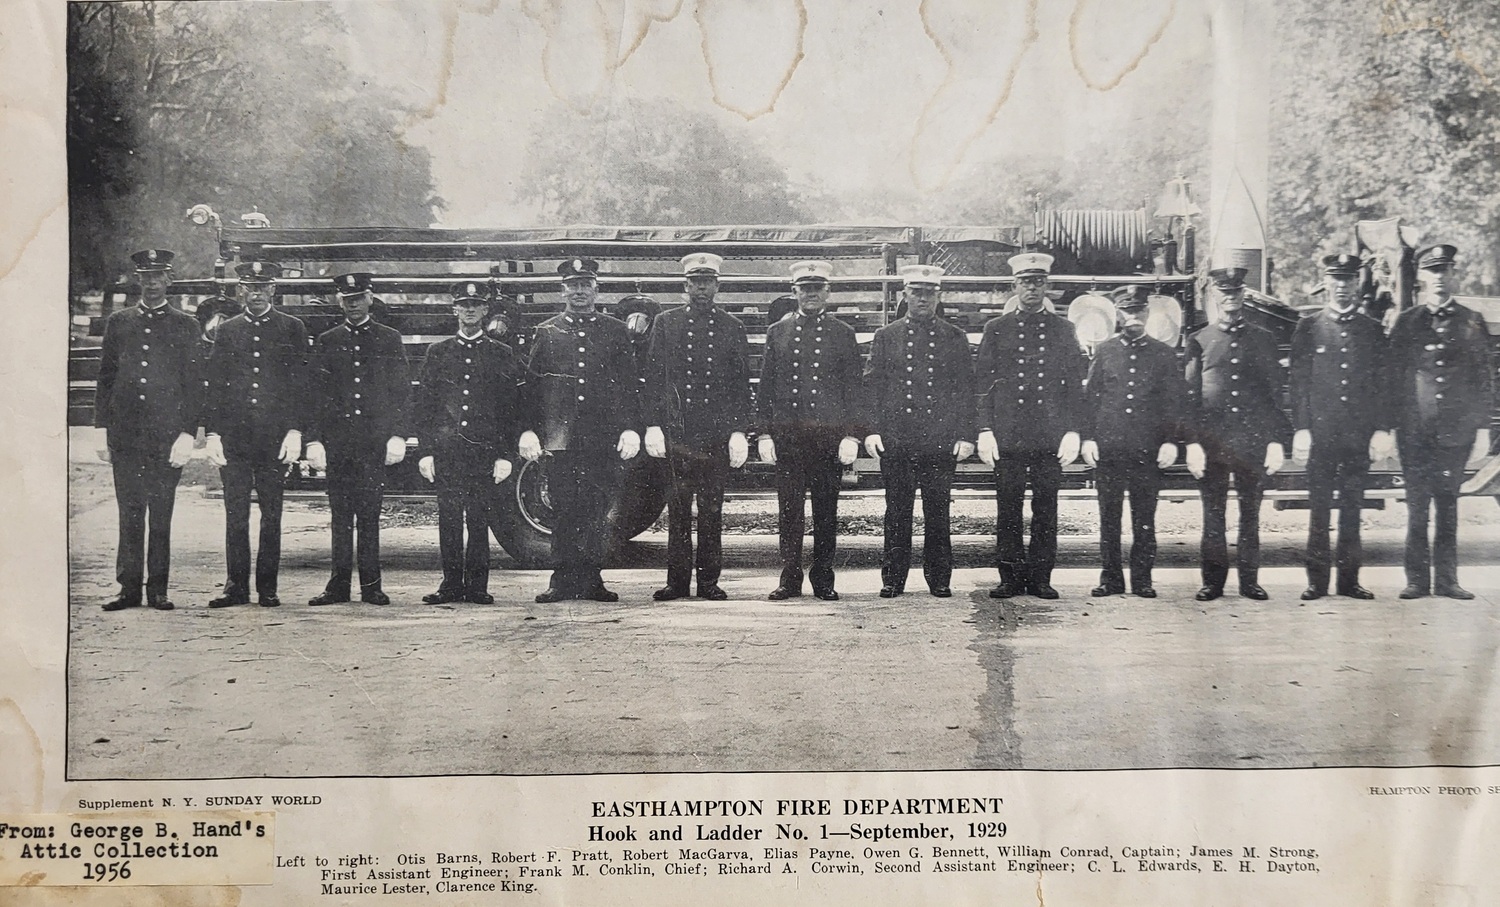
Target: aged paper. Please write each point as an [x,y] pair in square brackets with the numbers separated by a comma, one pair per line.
[859,780]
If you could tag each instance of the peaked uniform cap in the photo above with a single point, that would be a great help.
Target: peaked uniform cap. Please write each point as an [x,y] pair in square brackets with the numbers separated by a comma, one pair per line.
[810,271]
[257,271]
[1130,295]
[354,284]
[1030,263]
[701,263]
[1436,257]
[472,292]
[1228,278]
[921,275]
[153,260]
[579,267]
[1341,263]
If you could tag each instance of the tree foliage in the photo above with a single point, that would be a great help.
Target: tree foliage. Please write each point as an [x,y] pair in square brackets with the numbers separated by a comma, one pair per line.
[239,106]
[653,162]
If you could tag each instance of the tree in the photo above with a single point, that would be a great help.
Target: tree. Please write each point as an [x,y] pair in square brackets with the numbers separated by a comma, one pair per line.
[239,106]
[650,163]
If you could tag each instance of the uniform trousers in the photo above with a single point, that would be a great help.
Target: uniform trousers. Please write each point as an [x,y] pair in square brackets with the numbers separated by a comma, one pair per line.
[906,468]
[145,493]
[582,484]
[465,498]
[698,472]
[1433,474]
[356,488]
[1020,565]
[1345,469]
[248,467]
[807,462]
[1249,488]
[1135,472]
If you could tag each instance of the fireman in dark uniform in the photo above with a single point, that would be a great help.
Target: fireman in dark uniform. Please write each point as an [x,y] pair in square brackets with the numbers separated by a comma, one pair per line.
[920,380]
[1029,379]
[1234,383]
[256,407]
[465,416]
[583,394]
[699,410]
[147,401]
[1340,410]
[1443,384]
[809,414]
[359,429]
[1135,403]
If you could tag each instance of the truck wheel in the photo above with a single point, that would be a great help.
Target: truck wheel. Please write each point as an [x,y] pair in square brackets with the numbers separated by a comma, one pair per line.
[523,516]
[643,496]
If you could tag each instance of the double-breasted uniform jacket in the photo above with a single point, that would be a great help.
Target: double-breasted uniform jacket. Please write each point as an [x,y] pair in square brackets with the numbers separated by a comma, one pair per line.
[581,387]
[363,386]
[1234,388]
[1443,382]
[1136,396]
[920,380]
[467,400]
[1029,378]
[258,379]
[150,385]
[811,379]
[698,383]
[1338,389]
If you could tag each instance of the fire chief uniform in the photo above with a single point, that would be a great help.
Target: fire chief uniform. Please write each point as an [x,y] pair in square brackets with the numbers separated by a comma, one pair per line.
[1234,384]
[1029,376]
[148,395]
[581,388]
[920,379]
[364,390]
[258,376]
[699,392]
[1135,398]
[465,418]
[808,401]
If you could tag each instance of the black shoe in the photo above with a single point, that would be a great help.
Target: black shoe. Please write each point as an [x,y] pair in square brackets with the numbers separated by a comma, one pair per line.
[1101,591]
[159,601]
[1006,589]
[121,603]
[551,595]
[1454,591]
[1044,590]
[480,598]
[442,597]
[233,595]
[782,593]
[1144,592]
[889,591]
[1208,593]
[1413,591]
[712,592]
[600,594]
[329,597]
[668,594]
[827,595]
[1357,591]
[1313,593]
[270,600]
[375,597]
[1254,592]
[941,592]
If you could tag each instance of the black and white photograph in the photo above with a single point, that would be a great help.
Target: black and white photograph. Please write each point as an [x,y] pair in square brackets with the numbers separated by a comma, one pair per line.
[569,388]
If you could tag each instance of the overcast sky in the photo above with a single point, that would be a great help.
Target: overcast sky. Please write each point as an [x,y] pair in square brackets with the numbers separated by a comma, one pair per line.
[878,97]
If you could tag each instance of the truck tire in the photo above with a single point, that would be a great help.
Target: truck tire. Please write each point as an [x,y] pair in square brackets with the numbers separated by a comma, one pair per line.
[643,496]
[522,520]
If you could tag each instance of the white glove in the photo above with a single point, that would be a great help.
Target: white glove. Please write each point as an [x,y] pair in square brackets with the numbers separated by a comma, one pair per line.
[630,444]
[317,456]
[427,468]
[848,451]
[962,450]
[182,450]
[213,450]
[1067,451]
[529,447]
[502,471]
[291,447]
[1275,457]
[874,445]
[765,448]
[1301,445]
[739,450]
[656,442]
[395,450]
[1166,455]
[1382,446]
[1197,460]
[1089,450]
[1481,449]
[989,451]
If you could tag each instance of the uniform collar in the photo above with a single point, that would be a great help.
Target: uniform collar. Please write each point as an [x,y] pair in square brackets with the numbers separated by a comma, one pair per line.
[590,318]
[1343,317]
[1447,308]
[262,318]
[154,311]
[1138,342]
[1231,325]
[811,319]
[361,327]
[470,341]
